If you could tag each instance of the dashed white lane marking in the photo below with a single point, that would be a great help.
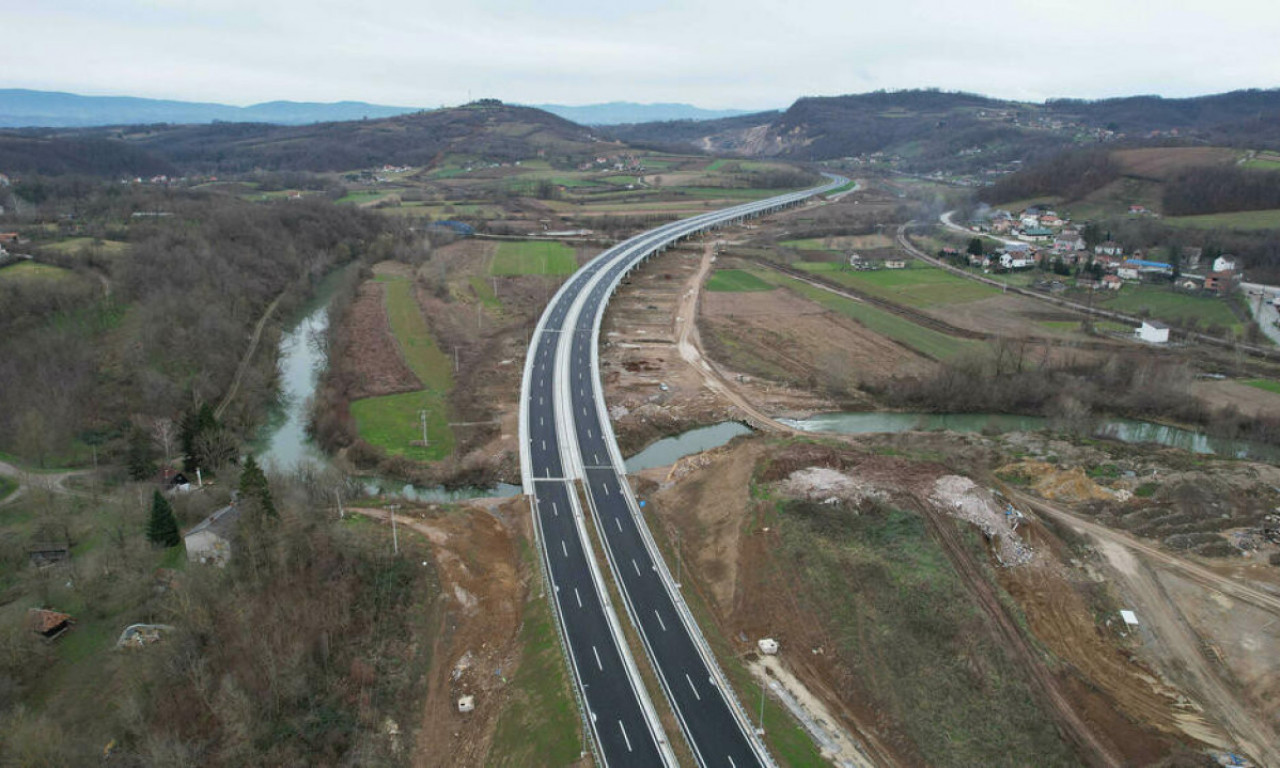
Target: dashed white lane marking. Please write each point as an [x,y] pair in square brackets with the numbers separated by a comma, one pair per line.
[692,687]
[575,594]
[618,523]
[624,735]
[597,654]
[661,623]
[564,548]
[555,510]
[633,565]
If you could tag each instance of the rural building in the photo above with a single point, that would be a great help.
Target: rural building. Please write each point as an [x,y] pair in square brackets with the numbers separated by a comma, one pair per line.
[895,264]
[1224,263]
[1152,332]
[210,540]
[1222,282]
[1138,209]
[42,554]
[1036,234]
[1068,244]
[1112,282]
[768,646]
[1127,271]
[1191,257]
[1109,248]
[48,624]
[8,237]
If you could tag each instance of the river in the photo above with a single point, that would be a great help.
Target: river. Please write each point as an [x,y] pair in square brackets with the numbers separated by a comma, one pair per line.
[283,442]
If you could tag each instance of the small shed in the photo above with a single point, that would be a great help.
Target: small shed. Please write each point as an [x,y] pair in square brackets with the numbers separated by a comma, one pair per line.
[42,554]
[1130,618]
[466,703]
[48,624]
[1152,332]
[210,540]
[768,646]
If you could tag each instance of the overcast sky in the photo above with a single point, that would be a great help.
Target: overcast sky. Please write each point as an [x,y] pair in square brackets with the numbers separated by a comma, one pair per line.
[737,53]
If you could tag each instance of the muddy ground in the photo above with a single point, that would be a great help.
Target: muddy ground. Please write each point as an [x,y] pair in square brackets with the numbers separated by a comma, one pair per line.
[485,585]
[1201,674]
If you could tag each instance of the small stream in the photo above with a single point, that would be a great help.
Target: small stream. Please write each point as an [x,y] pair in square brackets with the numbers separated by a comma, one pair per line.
[284,443]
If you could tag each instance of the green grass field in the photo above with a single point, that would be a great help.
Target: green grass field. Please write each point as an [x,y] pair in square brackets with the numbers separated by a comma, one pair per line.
[533,257]
[31,272]
[1267,384]
[7,486]
[484,291]
[924,340]
[736,280]
[74,244]
[916,286]
[1237,220]
[391,422]
[1164,304]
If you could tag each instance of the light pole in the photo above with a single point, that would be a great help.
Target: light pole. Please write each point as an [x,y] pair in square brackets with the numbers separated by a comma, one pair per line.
[422,417]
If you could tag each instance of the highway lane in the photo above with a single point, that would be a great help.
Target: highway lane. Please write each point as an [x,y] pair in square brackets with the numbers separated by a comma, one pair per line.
[563,439]
[622,729]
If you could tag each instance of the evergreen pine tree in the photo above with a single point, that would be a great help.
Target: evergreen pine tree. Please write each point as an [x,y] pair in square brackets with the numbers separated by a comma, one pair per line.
[254,489]
[162,527]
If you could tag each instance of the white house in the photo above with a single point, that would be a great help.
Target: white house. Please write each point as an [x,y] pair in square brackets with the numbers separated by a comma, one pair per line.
[1152,332]
[1017,260]
[1226,263]
[1109,248]
[210,540]
[1128,271]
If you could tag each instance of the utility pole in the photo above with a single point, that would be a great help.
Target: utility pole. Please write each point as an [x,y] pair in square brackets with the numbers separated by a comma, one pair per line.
[760,729]
[422,417]
[455,359]
[395,540]
[338,495]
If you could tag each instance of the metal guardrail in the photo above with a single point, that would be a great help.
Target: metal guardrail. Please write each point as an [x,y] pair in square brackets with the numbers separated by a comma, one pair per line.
[664,572]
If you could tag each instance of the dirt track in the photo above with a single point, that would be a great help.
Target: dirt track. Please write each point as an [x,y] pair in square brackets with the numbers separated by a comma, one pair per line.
[1172,637]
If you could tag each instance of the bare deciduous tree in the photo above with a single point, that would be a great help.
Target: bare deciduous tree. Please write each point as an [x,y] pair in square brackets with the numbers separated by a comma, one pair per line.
[163,435]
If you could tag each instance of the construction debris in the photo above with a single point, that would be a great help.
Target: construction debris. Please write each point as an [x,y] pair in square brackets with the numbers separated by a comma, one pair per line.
[964,499]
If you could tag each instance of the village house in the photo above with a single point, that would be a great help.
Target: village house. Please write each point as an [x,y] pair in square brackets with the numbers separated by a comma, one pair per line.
[1222,282]
[1109,248]
[1138,210]
[1191,257]
[1035,234]
[209,542]
[895,264]
[1224,263]
[1112,282]
[1152,332]
[1068,243]
[1127,270]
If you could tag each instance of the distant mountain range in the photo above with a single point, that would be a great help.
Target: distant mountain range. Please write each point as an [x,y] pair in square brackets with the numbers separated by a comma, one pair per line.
[22,108]
[618,112]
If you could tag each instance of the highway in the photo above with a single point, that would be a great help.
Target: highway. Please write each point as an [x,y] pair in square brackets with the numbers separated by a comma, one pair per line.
[566,437]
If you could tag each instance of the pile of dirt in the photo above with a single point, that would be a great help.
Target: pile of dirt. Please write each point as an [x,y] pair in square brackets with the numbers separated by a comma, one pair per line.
[966,500]
[378,367]
[1069,485]
[828,486]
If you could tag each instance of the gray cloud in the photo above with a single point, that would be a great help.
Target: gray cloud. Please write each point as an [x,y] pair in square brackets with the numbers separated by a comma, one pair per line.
[714,53]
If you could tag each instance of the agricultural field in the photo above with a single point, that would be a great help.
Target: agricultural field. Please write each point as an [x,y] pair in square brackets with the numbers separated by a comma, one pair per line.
[1180,308]
[530,257]
[1267,385]
[840,243]
[1235,220]
[34,273]
[916,286]
[736,280]
[75,244]
[926,341]
[391,422]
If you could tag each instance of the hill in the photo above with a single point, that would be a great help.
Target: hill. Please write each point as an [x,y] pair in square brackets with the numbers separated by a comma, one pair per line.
[487,131]
[20,107]
[619,112]
[934,129]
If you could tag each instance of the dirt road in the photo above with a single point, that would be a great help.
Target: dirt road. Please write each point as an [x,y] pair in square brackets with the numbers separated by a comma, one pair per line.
[690,349]
[54,482]
[248,356]
[1170,635]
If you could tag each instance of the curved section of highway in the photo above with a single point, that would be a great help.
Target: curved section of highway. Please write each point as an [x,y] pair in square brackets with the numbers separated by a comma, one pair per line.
[566,436]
